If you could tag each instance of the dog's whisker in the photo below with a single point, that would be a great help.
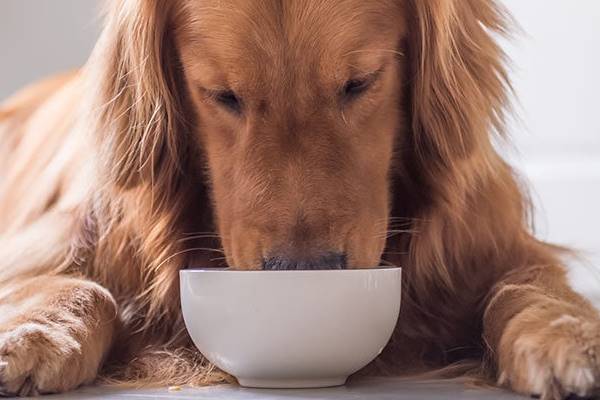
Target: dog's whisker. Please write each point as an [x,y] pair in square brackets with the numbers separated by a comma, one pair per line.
[397,222]
[393,230]
[183,252]
[407,227]
[452,349]
[399,231]
[409,219]
[392,233]
[197,237]
[386,263]
[201,233]
[396,253]
[215,250]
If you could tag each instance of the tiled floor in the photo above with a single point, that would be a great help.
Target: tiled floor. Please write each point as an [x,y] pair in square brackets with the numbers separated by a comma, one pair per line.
[373,389]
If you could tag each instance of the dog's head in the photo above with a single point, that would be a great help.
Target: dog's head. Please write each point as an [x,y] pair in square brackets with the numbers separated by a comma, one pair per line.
[297,108]
[302,112]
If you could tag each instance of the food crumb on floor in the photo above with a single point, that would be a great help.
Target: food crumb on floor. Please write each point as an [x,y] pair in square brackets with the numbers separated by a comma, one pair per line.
[174,388]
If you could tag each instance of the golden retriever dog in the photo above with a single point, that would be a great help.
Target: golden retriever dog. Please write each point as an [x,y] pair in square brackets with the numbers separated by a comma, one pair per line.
[268,134]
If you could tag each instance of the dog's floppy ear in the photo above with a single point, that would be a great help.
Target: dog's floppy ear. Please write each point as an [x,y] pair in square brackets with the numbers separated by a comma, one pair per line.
[459,82]
[138,110]
[458,92]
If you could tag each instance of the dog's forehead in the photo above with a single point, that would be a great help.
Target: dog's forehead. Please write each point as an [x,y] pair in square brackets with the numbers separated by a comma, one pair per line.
[249,35]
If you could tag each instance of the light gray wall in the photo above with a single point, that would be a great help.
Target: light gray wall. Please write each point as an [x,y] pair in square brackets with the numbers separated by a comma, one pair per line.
[41,37]
[556,73]
[557,76]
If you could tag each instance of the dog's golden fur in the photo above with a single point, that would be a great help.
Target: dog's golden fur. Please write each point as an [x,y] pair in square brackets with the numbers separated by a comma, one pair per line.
[197,124]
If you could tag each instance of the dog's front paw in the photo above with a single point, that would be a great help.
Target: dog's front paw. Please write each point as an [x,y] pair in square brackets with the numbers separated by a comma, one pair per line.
[39,358]
[551,357]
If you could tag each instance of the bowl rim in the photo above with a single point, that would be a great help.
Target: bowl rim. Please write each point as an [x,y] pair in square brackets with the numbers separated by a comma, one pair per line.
[382,268]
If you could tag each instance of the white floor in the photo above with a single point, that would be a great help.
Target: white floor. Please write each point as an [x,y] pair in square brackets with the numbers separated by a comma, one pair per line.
[373,389]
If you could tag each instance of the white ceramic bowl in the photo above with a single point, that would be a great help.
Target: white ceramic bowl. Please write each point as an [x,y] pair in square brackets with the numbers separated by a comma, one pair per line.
[291,329]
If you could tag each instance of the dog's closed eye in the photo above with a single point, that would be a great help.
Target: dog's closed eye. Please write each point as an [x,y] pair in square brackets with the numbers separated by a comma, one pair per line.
[355,87]
[227,99]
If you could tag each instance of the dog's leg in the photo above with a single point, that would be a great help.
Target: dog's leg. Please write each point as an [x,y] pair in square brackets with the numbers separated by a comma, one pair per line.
[54,333]
[543,337]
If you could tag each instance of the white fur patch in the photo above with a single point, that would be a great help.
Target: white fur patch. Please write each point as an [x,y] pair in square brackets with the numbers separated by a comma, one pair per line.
[566,361]
[565,319]
[20,336]
[578,380]
[502,379]
[538,375]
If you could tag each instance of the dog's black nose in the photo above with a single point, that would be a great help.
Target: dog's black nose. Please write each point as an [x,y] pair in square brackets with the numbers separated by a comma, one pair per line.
[325,261]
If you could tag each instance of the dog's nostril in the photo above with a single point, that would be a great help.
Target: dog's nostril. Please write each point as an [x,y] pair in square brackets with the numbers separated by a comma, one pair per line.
[325,261]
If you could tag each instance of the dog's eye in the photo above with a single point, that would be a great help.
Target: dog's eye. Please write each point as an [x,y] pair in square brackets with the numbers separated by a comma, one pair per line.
[355,87]
[229,100]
